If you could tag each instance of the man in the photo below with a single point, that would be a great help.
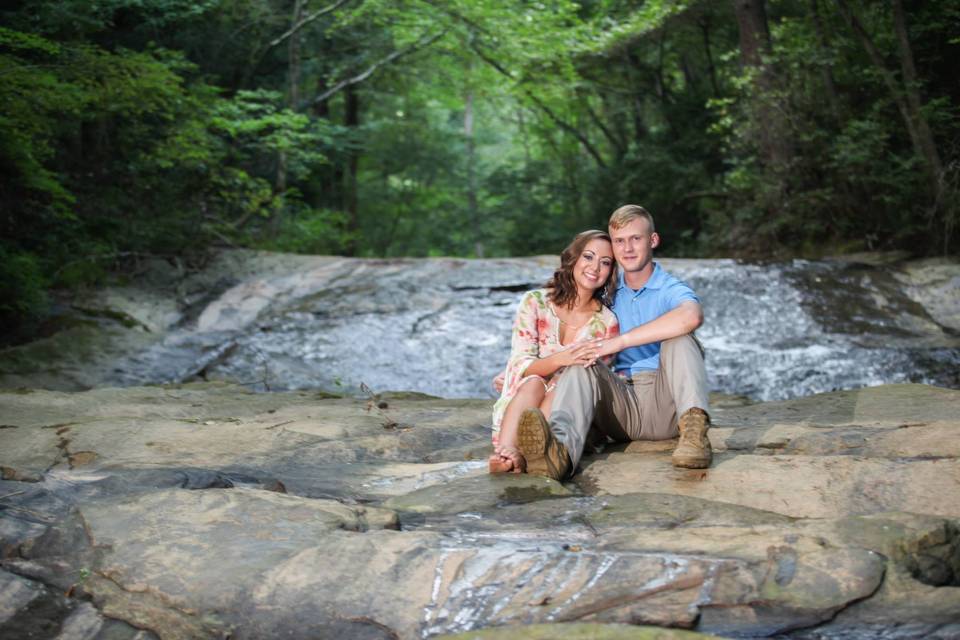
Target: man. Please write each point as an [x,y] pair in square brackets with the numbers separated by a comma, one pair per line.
[660,384]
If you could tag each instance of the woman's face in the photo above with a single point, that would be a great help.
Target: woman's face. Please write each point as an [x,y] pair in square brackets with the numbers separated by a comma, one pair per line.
[594,265]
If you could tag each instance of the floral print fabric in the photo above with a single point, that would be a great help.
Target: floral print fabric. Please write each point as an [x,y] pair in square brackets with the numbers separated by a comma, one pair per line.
[536,334]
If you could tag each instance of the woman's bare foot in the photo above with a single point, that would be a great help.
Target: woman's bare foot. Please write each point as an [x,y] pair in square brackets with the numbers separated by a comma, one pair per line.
[507,459]
[499,464]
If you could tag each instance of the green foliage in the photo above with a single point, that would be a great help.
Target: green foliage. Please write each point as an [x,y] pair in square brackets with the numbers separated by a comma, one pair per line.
[110,153]
[854,178]
[306,230]
[23,297]
[26,43]
[79,18]
[463,127]
[227,158]
[253,125]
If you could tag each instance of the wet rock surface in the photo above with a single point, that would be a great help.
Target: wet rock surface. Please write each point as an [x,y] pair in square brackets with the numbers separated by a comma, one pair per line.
[579,631]
[207,511]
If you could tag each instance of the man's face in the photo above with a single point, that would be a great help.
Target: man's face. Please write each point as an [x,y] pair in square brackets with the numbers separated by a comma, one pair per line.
[633,245]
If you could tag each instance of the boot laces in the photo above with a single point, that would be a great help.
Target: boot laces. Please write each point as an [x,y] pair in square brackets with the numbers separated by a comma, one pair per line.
[693,427]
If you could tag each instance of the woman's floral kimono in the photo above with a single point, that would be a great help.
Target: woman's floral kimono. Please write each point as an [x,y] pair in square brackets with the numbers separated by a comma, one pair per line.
[536,334]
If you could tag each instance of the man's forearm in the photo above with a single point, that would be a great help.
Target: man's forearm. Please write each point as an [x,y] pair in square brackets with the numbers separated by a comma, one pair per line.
[677,322]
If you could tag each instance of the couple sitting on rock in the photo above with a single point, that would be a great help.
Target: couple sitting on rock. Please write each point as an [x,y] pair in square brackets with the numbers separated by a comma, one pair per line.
[556,398]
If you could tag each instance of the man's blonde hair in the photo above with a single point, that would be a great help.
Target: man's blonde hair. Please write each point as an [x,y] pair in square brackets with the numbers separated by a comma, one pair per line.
[627,214]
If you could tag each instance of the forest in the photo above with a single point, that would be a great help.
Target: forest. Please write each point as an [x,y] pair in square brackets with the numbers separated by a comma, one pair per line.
[756,129]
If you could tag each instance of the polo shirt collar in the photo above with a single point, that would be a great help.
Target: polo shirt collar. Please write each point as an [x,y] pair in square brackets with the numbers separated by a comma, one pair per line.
[656,281]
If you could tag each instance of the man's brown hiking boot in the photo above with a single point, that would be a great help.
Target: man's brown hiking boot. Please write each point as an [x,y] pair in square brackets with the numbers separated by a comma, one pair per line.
[694,450]
[545,455]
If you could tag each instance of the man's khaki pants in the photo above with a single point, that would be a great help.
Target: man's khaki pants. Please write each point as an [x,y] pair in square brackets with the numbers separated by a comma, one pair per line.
[644,408]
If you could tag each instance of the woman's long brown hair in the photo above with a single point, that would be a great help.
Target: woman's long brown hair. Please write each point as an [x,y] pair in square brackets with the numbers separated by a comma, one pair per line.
[562,287]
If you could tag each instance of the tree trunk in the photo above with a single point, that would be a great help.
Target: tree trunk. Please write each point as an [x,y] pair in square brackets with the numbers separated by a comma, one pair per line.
[928,147]
[639,127]
[909,106]
[293,99]
[293,54]
[829,85]
[771,128]
[329,177]
[351,118]
[754,32]
[711,67]
[472,206]
[663,91]
[522,124]
[689,75]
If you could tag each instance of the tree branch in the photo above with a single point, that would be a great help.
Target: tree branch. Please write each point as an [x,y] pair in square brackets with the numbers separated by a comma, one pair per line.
[616,142]
[911,86]
[547,110]
[416,46]
[458,16]
[306,20]
[912,118]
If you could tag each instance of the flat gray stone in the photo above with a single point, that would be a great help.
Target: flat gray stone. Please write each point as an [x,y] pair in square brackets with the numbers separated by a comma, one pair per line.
[15,594]
[199,511]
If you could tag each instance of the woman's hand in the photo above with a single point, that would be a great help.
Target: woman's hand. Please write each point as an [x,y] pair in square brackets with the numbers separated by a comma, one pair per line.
[603,347]
[581,353]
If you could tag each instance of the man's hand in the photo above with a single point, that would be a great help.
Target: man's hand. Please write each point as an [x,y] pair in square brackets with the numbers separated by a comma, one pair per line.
[609,346]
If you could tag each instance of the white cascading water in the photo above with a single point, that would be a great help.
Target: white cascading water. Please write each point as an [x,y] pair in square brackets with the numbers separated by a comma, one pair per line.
[442,327]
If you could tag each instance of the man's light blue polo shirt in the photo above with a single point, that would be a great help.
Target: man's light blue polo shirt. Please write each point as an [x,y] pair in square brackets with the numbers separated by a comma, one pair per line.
[662,293]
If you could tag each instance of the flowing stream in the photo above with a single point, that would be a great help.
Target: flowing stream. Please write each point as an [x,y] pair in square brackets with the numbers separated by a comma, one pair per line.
[442,327]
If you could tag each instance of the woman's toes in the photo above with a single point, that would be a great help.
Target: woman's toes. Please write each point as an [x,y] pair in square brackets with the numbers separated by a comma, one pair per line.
[517,462]
[499,464]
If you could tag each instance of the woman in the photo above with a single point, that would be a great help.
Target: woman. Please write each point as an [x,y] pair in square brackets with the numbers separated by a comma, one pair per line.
[551,331]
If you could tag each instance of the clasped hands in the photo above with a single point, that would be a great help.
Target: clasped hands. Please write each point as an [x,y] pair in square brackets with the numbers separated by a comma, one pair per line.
[584,353]
[587,353]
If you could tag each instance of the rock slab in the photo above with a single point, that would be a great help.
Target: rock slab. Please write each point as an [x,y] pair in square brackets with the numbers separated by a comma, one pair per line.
[206,511]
